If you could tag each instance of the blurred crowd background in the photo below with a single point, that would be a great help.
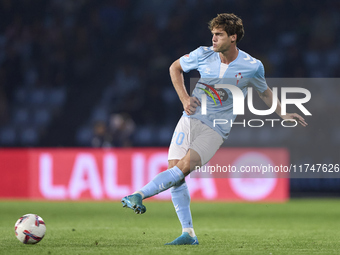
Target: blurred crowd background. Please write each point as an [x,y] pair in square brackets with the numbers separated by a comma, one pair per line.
[80,73]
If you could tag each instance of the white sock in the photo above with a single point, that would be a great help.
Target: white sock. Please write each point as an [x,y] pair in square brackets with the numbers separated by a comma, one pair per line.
[139,192]
[190,231]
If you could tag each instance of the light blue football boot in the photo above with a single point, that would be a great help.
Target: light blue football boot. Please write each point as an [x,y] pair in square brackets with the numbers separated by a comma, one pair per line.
[184,239]
[134,202]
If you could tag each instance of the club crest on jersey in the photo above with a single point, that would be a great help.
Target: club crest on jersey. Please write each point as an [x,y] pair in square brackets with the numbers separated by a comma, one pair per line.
[238,78]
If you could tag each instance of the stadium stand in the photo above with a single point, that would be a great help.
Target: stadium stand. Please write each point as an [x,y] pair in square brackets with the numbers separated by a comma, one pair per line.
[65,66]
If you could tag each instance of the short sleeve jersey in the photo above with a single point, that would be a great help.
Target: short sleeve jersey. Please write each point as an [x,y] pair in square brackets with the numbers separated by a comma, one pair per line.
[244,71]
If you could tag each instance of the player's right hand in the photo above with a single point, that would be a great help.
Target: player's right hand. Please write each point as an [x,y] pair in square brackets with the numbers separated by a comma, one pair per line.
[190,105]
[295,116]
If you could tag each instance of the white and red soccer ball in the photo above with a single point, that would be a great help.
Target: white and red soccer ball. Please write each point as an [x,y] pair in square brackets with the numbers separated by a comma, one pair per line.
[30,229]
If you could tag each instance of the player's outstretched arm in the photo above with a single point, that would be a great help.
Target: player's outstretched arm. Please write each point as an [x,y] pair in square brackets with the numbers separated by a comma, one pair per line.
[267,97]
[176,74]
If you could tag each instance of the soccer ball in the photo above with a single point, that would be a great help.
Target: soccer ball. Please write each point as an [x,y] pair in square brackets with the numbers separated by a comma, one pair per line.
[30,229]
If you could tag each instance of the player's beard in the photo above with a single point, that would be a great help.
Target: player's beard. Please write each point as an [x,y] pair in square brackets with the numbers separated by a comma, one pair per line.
[216,49]
[222,48]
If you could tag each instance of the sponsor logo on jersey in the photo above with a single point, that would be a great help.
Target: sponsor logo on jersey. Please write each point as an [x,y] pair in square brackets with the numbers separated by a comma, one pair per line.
[215,94]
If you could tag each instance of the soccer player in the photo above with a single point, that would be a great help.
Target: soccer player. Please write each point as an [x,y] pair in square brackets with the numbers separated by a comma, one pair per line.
[195,138]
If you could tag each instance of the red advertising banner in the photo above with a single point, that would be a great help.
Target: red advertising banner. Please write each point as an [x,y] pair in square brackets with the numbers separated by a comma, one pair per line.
[100,174]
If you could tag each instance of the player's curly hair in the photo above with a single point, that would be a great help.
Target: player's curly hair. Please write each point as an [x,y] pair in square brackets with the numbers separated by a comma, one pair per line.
[230,23]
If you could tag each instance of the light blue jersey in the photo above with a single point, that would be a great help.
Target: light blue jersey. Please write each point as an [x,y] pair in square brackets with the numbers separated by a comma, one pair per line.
[242,72]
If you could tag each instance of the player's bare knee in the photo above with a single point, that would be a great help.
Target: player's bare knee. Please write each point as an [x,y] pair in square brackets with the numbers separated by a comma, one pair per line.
[172,163]
[195,160]
[184,165]
[195,163]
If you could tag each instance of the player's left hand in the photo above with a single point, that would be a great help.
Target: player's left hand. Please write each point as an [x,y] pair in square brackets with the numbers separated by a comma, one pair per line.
[295,116]
[194,102]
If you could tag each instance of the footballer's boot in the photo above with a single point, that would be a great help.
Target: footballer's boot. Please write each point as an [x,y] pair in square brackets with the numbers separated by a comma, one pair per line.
[134,202]
[184,239]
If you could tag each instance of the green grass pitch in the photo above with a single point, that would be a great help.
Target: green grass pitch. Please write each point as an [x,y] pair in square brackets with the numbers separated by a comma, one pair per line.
[299,226]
